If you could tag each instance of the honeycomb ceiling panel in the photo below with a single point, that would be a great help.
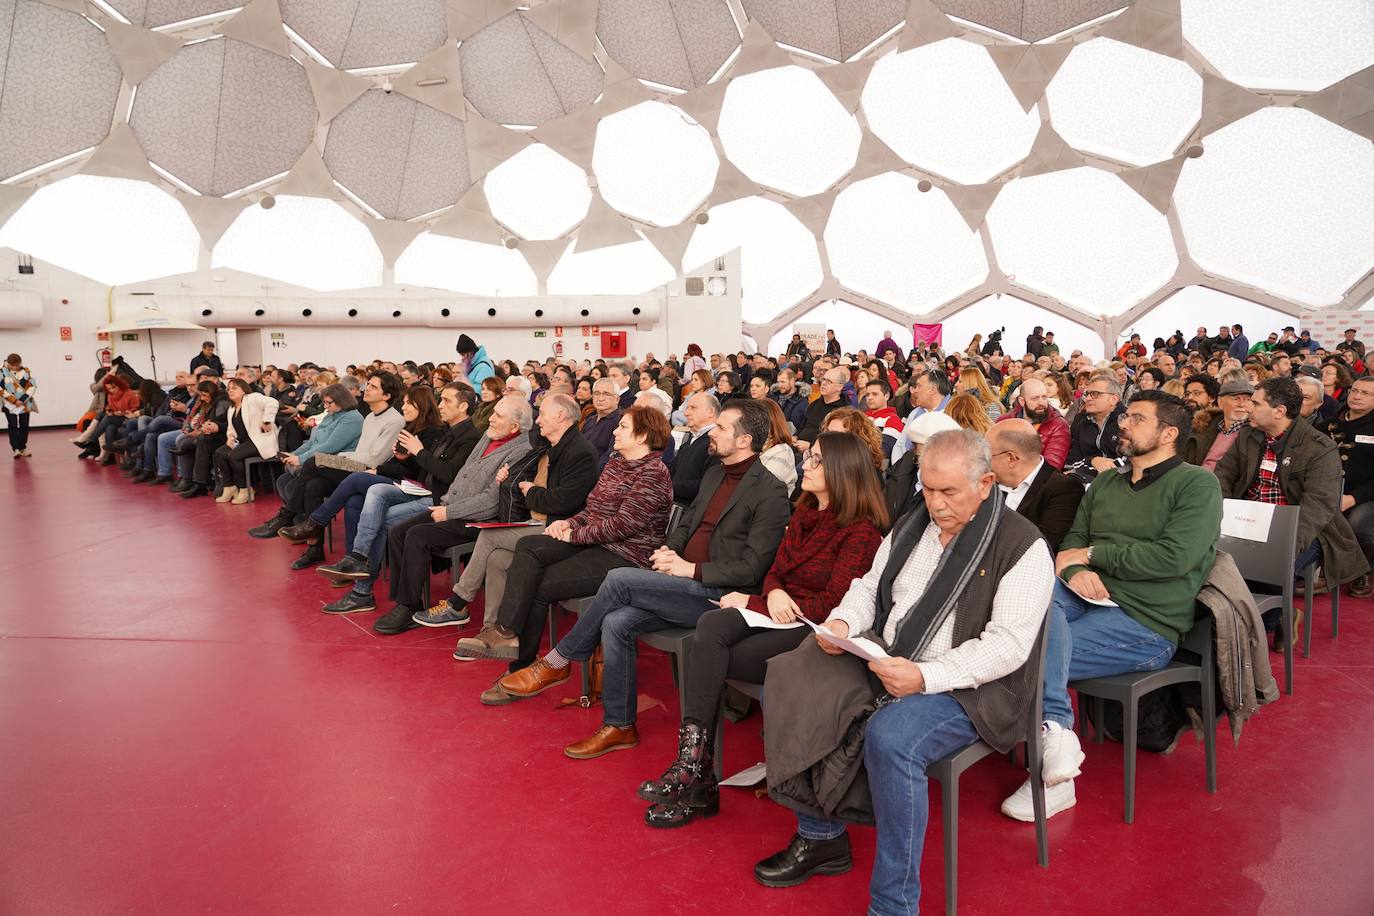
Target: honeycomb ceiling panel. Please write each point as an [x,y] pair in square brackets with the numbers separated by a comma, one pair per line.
[889,241]
[515,73]
[631,148]
[166,12]
[394,32]
[537,193]
[305,241]
[784,129]
[1282,44]
[323,24]
[176,113]
[1282,200]
[1031,20]
[60,85]
[403,158]
[944,107]
[681,43]
[831,28]
[442,262]
[1082,236]
[1123,102]
[617,270]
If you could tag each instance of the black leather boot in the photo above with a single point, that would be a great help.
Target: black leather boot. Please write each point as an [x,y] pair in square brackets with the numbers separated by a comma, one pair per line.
[183,484]
[269,528]
[803,858]
[313,554]
[688,789]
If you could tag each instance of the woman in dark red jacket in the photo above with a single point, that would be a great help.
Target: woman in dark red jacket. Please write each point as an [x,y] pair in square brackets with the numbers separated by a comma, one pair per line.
[830,542]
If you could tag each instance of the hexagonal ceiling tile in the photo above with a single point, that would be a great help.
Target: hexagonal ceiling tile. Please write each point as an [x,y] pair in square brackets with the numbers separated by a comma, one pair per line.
[305,241]
[681,43]
[632,147]
[1282,200]
[1018,317]
[619,270]
[368,33]
[1030,20]
[779,259]
[403,158]
[537,193]
[112,230]
[58,85]
[1123,102]
[1281,44]
[516,73]
[221,115]
[1082,236]
[784,129]
[889,241]
[945,108]
[466,267]
[153,13]
[831,28]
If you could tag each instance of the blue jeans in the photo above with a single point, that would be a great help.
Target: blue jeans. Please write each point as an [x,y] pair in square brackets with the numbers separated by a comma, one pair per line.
[384,507]
[1090,641]
[165,443]
[900,741]
[149,437]
[629,603]
[354,484]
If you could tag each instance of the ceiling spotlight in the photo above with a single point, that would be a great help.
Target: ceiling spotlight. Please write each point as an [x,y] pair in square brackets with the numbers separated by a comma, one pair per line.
[267,202]
[511,242]
[1195,151]
[703,218]
[924,185]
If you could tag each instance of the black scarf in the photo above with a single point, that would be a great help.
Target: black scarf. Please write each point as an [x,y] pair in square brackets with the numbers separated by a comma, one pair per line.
[952,574]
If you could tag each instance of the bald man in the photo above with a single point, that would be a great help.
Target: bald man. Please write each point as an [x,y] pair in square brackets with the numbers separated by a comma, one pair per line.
[832,398]
[1044,496]
[1033,404]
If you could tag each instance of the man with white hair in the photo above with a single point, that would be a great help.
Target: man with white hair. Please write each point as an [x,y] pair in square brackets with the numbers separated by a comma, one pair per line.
[600,426]
[1313,397]
[962,666]
[694,456]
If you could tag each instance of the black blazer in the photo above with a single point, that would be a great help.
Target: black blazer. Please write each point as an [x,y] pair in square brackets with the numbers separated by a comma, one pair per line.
[747,534]
[573,469]
[689,465]
[1051,504]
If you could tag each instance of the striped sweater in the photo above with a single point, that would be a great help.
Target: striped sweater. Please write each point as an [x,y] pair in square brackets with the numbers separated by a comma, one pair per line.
[627,510]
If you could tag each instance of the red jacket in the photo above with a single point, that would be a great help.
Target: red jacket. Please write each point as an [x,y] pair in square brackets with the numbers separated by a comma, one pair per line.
[122,399]
[1054,435]
[817,560]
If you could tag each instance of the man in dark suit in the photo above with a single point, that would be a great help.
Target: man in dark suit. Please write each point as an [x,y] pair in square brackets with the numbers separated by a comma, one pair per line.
[694,455]
[1044,496]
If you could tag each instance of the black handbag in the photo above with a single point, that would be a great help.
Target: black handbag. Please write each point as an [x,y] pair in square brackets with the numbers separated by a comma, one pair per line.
[510,502]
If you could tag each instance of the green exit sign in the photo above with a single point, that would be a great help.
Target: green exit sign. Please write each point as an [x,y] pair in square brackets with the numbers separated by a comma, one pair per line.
[541,333]
[128,337]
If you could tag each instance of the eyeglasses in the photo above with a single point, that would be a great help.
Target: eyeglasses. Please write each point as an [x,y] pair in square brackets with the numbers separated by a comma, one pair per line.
[1089,394]
[1005,451]
[811,459]
[1132,419]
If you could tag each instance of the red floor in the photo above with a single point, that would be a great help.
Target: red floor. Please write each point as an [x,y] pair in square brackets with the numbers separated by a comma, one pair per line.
[184,732]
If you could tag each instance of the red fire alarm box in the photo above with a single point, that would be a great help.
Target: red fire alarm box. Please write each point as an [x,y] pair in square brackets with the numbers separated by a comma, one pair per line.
[613,344]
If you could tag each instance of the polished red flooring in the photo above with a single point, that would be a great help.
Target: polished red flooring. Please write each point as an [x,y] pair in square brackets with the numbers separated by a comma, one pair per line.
[181,731]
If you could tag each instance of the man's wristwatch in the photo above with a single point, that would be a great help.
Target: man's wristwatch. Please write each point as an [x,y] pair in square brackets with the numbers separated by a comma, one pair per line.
[1089,556]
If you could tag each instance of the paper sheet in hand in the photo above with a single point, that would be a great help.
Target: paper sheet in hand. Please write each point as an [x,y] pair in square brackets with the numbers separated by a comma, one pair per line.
[750,776]
[485,525]
[864,648]
[1249,521]
[339,463]
[755,619]
[413,488]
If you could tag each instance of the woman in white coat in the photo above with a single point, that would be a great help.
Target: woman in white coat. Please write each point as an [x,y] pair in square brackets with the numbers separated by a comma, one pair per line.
[252,434]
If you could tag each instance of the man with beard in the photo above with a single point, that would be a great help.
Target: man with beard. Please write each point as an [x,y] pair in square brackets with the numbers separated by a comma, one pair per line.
[1201,393]
[1143,542]
[1214,429]
[1033,404]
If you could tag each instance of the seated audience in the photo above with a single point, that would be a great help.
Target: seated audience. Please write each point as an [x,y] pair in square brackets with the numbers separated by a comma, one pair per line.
[791,398]
[930,392]
[198,446]
[694,456]
[1353,432]
[831,386]
[954,676]
[902,487]
[121,404]
[1215,429]
[1033,404]
[876,396]
[725,542]
[599,427]
[1047,498]
[831,539]
[972,381]
[251,433]
[779,454]
[1094,432]
[965,410]
[856,423]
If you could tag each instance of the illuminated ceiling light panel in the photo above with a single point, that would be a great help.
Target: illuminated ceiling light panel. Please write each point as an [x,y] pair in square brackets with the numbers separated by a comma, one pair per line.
[537,193]
[944,107]
[654,163]
[891,242]
[442,262]
[305,241]
[619,270]
[785,130]
[1282,200]
[112,230]
[780,264]
[1084,237]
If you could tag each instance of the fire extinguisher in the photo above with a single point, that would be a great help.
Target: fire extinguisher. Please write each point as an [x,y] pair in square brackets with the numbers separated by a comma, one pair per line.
[558,349]
[106,356]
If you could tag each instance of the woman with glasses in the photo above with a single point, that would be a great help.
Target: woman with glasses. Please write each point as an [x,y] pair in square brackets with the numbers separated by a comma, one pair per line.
[830,541]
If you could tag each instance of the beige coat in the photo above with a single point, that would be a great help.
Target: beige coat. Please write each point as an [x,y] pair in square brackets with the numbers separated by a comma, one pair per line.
[257,409]
[1243,671]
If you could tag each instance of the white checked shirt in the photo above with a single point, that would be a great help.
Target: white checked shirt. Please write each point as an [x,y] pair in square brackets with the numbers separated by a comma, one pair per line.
[1022,598]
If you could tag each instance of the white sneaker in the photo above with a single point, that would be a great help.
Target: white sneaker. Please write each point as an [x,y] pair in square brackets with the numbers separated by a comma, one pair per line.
[1019,805]
[1060,753]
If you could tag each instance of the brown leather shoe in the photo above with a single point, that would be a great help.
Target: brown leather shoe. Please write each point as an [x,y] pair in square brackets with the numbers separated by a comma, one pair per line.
[535,679]
[1362,587]
[607,738]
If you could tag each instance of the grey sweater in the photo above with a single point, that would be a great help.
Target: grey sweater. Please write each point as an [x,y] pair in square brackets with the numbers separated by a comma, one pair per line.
[473,494]
[378,437]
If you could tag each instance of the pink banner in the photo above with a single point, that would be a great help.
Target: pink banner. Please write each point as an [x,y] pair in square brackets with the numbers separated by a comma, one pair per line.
[927,333]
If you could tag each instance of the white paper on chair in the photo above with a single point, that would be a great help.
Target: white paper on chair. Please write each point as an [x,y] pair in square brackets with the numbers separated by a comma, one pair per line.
[856,645]
[763,621]
[1249,521]
[750,776]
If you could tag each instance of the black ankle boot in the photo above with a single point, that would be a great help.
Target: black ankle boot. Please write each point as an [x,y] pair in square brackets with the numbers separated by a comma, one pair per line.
[182,484]
[693,764]
[313,554]
[269,528]
[803,858]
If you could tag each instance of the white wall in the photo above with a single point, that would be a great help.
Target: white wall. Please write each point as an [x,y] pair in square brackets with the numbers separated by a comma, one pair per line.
[1195,306]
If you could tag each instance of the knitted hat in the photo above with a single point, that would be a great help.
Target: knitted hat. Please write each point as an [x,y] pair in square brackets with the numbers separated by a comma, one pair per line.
[466,345]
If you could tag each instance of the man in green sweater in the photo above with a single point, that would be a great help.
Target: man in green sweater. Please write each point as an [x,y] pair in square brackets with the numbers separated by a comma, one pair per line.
[1129,571]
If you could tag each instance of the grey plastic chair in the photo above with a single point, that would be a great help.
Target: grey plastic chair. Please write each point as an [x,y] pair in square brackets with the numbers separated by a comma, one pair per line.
[456,556]
[1271,563]
[948,769]
[1127,689]
[1307,576]
[753,692]
[269,472]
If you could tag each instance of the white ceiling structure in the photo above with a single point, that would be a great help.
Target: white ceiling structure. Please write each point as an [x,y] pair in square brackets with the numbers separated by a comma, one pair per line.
[931,160]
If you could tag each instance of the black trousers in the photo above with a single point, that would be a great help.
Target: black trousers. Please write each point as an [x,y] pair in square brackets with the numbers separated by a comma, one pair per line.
[205,451]
[727,647]
[229,462]
[543,570]
[313,486]
[411,544]
[18,427]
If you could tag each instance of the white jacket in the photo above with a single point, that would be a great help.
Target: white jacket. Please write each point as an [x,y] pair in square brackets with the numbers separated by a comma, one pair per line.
[257,409]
